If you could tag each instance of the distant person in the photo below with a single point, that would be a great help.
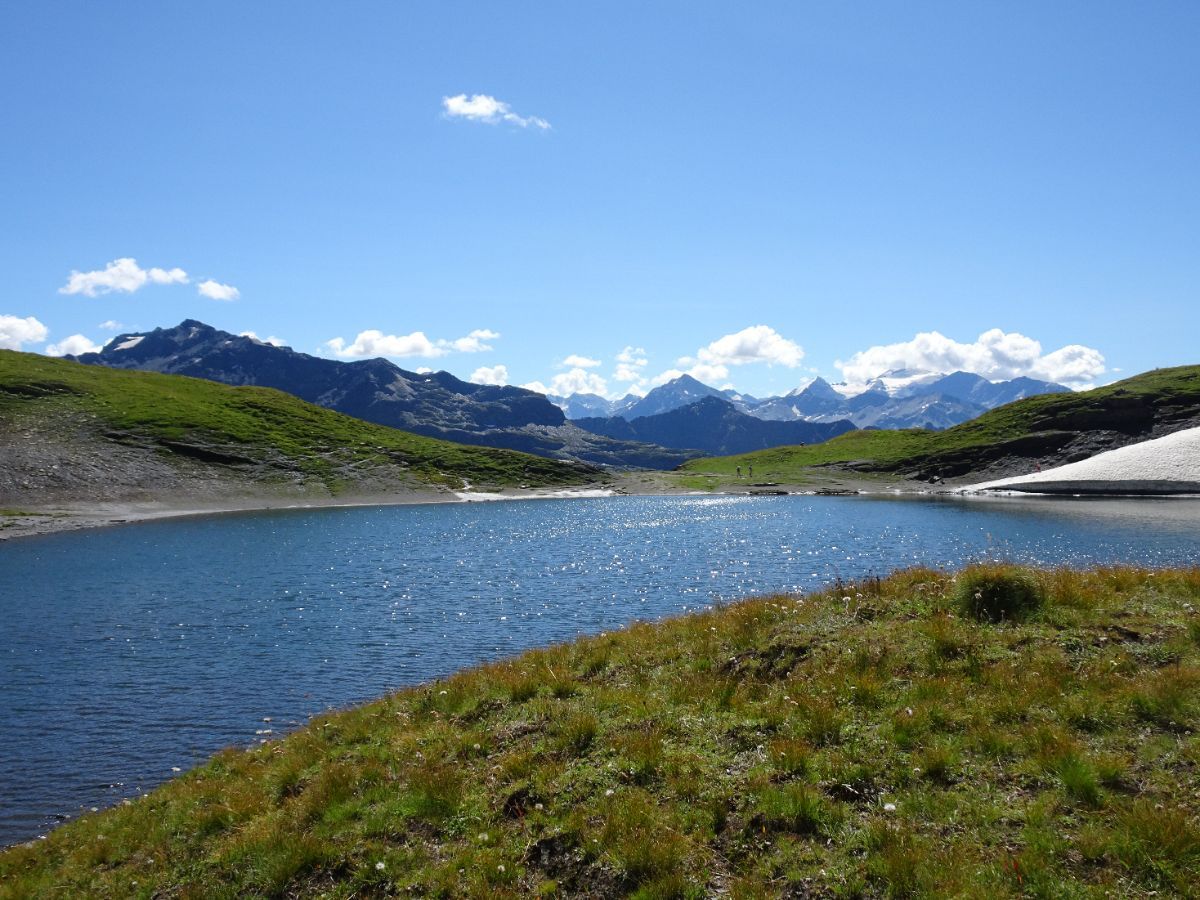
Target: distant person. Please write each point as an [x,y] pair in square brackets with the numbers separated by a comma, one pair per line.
[751,475]
[739,470]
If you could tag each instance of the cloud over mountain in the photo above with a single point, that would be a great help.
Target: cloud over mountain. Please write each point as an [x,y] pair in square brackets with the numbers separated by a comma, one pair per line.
[73,346]
[995,354]
[373,342]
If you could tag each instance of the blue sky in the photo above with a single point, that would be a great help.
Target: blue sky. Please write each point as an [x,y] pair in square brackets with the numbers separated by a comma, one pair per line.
[755,195]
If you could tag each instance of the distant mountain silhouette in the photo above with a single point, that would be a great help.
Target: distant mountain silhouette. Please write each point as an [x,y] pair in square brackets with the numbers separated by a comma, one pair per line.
[714,425]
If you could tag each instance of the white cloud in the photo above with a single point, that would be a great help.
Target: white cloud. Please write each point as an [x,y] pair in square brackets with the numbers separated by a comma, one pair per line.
[272,340]
[995,355]
[121,276]
[473,342]
[631,363]
[575,361]
[497,375]
[484,108]
[423,370]
[756,344]
[111,325]
[73,345]
[376,343]
[576,381]
[15,331]
[214,290]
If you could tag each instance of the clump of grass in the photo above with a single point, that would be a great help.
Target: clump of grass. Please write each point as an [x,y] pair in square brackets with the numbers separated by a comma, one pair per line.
[797,808]
[790,756]
[1079,778]
[998,593]
[1159,845]
[576,733]
[1168,697]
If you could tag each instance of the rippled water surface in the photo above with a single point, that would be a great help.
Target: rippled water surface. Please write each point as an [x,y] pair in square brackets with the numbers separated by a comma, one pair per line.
[127,652]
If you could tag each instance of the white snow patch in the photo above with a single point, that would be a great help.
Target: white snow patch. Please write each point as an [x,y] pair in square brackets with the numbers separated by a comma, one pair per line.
[483,496]
[1174,458]
[131,343]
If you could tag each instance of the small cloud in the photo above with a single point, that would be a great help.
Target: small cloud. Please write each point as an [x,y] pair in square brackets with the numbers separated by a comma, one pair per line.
[995,355]
[475,342]
[214,290]
[272,340]
[423,370]
[111,325]
[376,343]
[121,276]
[756,344]
[15,331]
[74,345]
[576,381]
[496,375]
[485,108]
[631,363]
[580,362]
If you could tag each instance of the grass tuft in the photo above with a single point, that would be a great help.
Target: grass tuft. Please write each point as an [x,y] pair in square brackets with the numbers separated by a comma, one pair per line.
[993,592]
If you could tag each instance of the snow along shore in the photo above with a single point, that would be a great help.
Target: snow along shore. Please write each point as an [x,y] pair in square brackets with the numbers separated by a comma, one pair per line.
[1166,465]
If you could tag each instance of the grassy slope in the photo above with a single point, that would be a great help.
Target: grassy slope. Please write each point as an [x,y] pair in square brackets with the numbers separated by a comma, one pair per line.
[866,741]
[255,423]
[1023,427]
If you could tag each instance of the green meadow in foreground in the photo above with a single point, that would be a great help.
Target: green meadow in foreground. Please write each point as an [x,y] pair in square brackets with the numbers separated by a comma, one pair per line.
[999,732]
[1029,428]
[258,429]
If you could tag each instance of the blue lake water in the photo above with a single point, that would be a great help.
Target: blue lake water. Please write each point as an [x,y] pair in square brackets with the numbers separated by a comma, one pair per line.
[128,652]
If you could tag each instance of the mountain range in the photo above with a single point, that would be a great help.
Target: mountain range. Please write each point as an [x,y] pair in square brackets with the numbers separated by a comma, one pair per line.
[716,426]
[673,423]
[435,404]
[897,399]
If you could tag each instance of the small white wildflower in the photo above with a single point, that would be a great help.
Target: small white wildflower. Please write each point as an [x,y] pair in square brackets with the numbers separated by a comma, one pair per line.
[475,747]
[379,866]
[609,792]
[538,806]
[500,868]
[483,836]
[443,693]
[889,807]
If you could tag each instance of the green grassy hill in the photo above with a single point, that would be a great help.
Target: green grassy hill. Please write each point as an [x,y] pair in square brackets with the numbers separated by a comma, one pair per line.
[59,417]
[995,733]
[1049,430]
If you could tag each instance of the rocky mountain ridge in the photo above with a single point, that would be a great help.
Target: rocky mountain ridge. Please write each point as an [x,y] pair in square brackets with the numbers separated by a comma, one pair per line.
[434,404]
[894,400]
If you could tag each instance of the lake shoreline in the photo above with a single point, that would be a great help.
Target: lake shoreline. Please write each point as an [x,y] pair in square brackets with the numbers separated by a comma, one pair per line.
[55,518]
[33,520]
